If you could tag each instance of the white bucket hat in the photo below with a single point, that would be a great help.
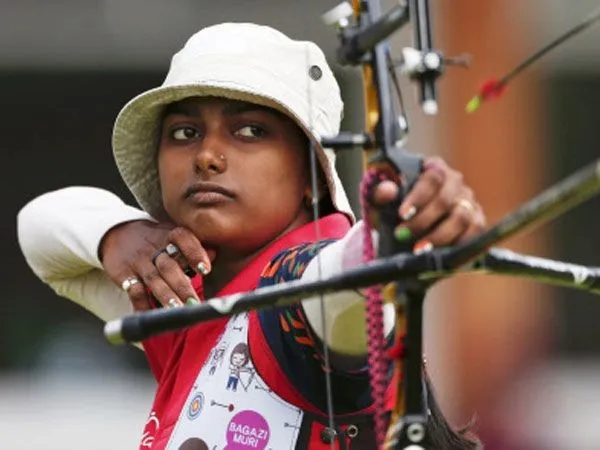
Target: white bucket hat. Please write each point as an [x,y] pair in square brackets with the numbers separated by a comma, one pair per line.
[240,61]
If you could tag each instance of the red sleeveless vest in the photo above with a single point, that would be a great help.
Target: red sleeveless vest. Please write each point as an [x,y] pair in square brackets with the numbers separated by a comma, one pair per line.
[176,358]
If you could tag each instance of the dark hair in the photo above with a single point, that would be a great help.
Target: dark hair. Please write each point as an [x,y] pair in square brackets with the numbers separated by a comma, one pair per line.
[193,444]
[325,205]
[443,436]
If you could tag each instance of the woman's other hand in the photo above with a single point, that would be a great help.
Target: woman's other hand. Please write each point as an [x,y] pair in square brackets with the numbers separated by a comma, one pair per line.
[440,210]
[135,257]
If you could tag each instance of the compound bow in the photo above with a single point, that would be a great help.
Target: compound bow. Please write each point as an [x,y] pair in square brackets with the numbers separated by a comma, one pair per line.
[362,31]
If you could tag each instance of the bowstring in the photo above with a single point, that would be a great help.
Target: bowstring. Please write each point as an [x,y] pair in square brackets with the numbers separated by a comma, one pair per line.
[316,214]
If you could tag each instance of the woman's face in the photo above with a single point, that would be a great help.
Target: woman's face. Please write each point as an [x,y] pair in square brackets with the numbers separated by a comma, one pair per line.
[237,359]
[234,173]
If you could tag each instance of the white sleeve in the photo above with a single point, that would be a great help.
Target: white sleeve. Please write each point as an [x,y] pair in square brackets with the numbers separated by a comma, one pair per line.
[345,323]
[59,233]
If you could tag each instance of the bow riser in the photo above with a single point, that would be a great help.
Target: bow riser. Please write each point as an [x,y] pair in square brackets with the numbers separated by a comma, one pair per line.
[389,158]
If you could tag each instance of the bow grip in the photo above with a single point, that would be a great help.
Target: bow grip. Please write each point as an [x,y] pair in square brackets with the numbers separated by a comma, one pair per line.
[409,167]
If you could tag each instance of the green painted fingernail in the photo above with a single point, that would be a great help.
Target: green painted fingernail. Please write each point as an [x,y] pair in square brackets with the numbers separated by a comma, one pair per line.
[402,233]
[192,301]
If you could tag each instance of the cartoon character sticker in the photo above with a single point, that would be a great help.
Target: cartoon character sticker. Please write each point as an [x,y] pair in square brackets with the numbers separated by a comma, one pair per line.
[238,360]
[216,357]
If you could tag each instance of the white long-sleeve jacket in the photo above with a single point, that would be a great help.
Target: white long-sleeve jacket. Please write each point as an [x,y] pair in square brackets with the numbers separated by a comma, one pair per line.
[59,233]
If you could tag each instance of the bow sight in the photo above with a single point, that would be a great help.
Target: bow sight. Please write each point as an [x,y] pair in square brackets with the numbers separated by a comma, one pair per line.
[422,63]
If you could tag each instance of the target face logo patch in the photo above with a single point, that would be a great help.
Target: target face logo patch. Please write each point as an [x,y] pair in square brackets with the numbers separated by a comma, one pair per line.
[196,406]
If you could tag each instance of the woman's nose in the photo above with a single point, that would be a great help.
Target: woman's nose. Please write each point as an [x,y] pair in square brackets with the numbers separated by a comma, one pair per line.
[210,158]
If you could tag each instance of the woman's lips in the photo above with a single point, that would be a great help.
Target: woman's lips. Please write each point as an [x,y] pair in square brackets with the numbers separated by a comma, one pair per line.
[208,198]
[207,194]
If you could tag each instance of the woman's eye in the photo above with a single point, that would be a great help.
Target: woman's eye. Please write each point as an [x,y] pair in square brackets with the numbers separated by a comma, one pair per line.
[251,131]
[184,133]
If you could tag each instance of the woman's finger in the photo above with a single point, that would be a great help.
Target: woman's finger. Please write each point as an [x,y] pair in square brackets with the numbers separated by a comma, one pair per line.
[175,278]
[450,230]
[191,250]
[139,296]
[156,281]
[477,225]
[385,192]
[439,207]
[132,284]
[465,221]
[425,190]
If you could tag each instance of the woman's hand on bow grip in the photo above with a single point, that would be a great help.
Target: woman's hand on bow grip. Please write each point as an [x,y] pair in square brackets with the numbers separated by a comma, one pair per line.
[127,250]
[440,210]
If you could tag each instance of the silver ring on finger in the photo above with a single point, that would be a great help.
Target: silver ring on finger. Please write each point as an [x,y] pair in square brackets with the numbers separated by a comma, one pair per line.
[128,283]
[172,250]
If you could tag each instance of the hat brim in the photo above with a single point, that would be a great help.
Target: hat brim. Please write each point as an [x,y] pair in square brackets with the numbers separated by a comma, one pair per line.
[137,130]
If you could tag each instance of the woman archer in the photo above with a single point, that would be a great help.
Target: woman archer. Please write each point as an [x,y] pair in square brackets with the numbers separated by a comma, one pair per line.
[218,159]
